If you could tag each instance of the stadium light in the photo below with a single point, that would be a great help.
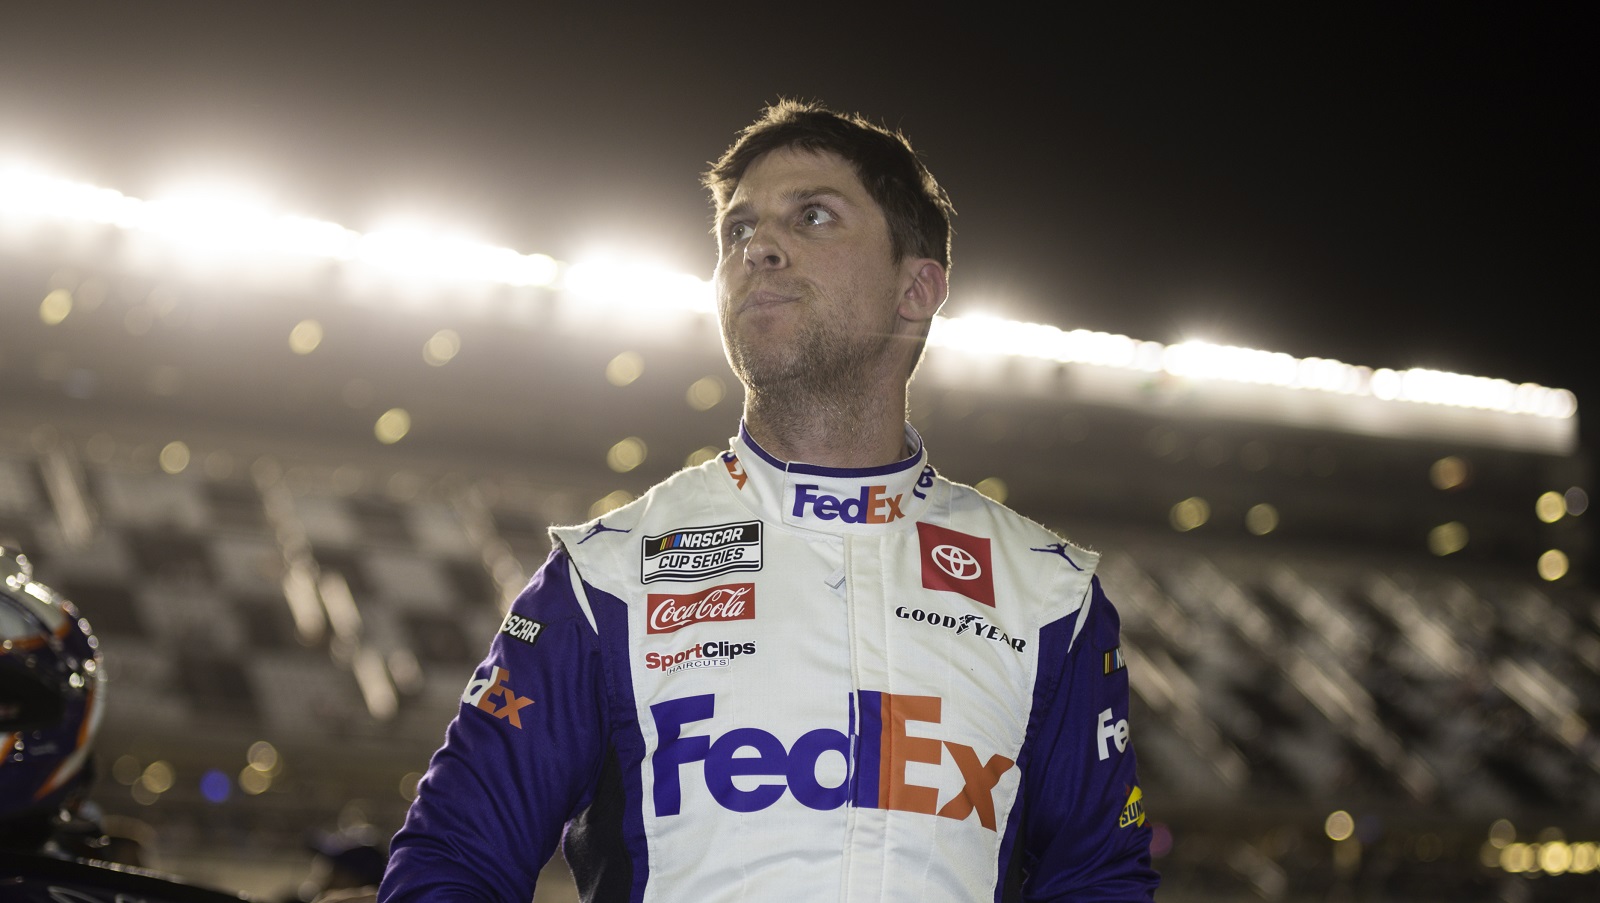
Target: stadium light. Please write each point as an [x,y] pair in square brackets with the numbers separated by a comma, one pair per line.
[206,224]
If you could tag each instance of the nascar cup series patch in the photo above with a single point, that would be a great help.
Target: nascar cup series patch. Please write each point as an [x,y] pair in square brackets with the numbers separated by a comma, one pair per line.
[696,553]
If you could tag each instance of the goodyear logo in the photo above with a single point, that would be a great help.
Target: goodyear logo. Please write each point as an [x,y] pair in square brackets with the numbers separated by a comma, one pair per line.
[697,553]
[1133,810]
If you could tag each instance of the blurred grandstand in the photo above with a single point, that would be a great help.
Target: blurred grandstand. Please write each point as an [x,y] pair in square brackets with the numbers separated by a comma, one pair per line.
[292,474]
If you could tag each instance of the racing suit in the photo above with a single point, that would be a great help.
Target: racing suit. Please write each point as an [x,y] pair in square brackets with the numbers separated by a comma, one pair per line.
[766,680]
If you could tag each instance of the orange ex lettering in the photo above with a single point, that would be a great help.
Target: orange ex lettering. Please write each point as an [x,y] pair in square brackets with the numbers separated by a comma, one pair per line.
[480,693]
[888,714]
[735,469]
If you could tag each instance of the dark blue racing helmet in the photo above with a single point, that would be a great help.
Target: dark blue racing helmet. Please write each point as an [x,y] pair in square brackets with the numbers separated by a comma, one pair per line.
[51,698]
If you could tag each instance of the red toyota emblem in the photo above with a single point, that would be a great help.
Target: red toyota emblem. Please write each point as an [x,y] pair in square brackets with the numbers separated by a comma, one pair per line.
[956,562]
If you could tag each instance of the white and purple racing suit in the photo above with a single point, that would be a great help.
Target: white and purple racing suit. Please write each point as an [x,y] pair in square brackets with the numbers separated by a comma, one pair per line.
[767,680]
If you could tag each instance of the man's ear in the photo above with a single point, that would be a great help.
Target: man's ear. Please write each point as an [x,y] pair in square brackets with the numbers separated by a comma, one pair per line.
[926,287]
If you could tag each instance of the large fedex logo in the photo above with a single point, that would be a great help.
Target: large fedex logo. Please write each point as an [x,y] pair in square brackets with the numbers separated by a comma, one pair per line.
[885,744]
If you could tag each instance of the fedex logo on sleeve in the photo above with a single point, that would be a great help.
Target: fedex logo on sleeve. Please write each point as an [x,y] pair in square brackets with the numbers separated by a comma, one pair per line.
[481,693]
[816,768]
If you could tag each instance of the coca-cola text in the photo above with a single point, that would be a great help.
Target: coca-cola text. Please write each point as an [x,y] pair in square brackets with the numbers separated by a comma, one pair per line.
[727,602]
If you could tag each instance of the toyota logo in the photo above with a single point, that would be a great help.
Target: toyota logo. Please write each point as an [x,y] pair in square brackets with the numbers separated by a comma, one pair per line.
[957,562]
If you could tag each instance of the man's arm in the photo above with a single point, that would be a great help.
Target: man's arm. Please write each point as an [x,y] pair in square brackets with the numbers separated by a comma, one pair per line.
[521,757]
[1084,836]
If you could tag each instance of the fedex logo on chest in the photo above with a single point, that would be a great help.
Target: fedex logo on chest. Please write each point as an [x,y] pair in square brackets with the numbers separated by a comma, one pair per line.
[869,505]
[891,748]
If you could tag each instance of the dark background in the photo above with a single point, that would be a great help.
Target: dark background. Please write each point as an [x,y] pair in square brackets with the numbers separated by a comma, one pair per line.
[1409,186]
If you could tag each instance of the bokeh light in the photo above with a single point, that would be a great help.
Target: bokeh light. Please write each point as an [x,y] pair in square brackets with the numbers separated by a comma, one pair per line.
[126,770]
[441,348]
[1261,519]
[1160,840]
[408,785]
[1339,825]
[263,757]
[174,457]
[1447,539]
[157,777]
[1553,565]
[305,337]
[55,307]
[705,393]
[610,502]
[1448,473]
[1550,507]
[1577,501]
[623,369]
[1189,514]
[392,426]
[701,455]
[215,786]
[1501,832]
[253,781]
[627,454]
[994,488]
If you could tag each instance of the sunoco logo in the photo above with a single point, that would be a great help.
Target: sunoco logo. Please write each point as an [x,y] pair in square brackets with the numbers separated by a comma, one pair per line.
[697,553]
[1133,810]
[728,602]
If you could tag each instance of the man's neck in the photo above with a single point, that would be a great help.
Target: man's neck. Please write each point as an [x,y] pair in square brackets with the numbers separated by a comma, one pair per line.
[863,430]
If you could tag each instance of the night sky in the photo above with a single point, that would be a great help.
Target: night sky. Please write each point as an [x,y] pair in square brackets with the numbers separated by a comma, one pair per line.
[1408,186]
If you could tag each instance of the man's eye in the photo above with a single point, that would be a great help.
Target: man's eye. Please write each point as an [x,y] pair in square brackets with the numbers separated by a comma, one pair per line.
[739,231]
[816,216]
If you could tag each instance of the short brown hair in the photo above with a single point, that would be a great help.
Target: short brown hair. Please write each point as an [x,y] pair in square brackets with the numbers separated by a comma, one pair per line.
[918,210]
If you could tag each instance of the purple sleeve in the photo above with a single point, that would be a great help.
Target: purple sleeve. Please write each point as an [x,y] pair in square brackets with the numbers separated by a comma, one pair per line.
[1083,833]
[521,757]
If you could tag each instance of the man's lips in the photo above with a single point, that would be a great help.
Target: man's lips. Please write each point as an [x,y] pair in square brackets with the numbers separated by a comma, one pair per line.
[763,299]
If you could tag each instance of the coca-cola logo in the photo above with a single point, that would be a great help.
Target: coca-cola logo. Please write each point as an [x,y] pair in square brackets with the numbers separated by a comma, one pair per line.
[728,602]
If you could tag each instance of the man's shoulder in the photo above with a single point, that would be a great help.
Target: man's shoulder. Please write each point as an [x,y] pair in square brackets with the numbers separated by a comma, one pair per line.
[684,490]
[970,506]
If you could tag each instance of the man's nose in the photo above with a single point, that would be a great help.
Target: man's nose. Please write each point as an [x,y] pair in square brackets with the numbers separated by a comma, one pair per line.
[764,252]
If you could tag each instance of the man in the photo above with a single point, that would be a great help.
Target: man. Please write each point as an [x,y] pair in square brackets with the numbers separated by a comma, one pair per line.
[843,679]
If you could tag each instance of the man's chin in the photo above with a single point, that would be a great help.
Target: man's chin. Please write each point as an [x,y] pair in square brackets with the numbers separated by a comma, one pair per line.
[768,375]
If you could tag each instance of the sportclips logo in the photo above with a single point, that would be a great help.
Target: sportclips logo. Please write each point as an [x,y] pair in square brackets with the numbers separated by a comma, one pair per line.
[872,505]
[887,745]
[729,602]
[715,654]
[700,552]
[482,692]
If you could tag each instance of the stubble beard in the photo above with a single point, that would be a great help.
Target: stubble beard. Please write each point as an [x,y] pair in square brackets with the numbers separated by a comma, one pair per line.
[824,369]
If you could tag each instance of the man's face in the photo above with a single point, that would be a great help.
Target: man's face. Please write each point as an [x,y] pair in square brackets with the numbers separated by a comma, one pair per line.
[807,284]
